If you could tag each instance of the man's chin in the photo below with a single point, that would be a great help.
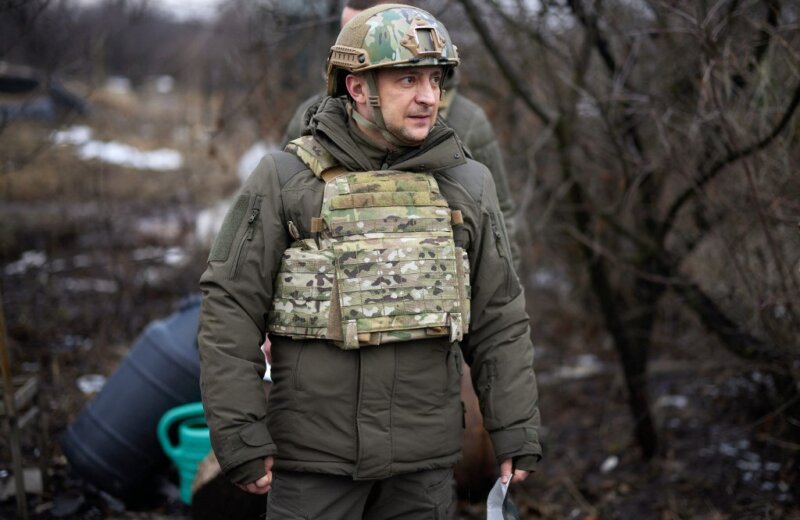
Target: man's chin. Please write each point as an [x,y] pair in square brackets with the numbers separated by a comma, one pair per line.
[411,136]
[417,136]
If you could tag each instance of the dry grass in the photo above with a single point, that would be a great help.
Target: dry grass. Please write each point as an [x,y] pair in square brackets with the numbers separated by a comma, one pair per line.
[35,170]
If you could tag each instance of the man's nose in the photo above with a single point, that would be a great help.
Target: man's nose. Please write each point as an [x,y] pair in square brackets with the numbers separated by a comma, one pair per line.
[427,93]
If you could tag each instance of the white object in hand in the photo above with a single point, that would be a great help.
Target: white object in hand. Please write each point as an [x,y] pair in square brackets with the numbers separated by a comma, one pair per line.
[494,503]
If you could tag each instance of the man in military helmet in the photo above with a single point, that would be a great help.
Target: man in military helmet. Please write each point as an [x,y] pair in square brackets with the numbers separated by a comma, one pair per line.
[461,114]
[373,253]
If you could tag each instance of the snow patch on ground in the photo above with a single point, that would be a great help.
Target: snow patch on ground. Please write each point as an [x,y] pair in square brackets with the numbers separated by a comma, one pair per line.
[113,152]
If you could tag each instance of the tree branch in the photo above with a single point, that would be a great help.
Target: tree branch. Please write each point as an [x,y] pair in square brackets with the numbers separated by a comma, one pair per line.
[515,81]
[739,342]
[763,42]
[524,28]
[732,157]
[589,22]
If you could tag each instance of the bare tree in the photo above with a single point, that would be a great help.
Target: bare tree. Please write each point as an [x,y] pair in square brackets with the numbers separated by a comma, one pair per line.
[665,154]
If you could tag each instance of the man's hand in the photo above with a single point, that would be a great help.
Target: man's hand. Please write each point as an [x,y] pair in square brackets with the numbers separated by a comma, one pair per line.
[264,484]
[505,472]
[266,348]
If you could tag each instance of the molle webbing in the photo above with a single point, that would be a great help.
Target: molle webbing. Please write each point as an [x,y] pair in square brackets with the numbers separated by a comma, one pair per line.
[395,257]
[303,289]
[384,267]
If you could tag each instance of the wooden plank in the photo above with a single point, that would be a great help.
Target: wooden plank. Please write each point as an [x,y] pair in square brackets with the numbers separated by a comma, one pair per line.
[23,395]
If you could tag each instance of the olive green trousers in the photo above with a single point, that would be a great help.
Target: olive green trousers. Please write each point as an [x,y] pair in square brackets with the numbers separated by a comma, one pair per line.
[311,496]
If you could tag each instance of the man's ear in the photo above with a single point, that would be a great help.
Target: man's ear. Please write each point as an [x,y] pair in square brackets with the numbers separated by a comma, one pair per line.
[357,88]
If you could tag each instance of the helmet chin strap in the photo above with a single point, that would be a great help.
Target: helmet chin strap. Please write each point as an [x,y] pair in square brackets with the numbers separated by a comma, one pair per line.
[379,125]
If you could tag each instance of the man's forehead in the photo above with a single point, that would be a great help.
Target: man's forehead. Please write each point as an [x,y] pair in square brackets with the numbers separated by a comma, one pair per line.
[402,71]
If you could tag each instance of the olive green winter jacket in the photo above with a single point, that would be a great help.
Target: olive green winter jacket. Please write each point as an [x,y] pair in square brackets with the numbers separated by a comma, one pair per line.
[379,410]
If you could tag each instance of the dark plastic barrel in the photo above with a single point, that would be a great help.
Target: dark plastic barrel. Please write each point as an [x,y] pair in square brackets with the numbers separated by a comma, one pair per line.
[113,443]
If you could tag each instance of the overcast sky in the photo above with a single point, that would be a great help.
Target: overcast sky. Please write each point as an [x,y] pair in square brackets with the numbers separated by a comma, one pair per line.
[189,8]
[181,9]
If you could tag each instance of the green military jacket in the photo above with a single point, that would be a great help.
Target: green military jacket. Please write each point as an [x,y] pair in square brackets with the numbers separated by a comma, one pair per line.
[473,127]
[379,410]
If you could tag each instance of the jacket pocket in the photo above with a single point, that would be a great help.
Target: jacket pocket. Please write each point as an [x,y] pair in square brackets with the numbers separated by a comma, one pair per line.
[485,389]
[452,385]
[297,372]
[442,494]
[241,251]
[504,251]
[223,243]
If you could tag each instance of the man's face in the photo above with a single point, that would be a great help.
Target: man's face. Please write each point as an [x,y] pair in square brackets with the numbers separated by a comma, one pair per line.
[409,100]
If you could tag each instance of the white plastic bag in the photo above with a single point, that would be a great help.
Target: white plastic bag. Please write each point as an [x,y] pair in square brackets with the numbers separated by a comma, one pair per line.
[494,503]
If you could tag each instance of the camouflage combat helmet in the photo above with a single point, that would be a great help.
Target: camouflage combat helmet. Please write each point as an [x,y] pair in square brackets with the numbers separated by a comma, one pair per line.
[387,35]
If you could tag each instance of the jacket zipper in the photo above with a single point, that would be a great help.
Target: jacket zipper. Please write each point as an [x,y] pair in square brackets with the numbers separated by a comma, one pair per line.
[357,440]
[486,389]
[248,236]
[501,250]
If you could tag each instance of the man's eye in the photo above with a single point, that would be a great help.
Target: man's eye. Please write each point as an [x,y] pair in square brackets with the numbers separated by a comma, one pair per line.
[436,80]
[407,80]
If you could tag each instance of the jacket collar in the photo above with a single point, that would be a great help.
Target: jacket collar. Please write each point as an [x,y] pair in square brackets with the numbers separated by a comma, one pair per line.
[334,130]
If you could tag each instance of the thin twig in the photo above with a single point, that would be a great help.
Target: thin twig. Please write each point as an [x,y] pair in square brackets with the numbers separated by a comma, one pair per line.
[575,493]
[731,158]
[517,84]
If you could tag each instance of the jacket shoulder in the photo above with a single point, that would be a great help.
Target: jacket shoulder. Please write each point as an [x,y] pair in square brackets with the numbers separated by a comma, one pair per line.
[471,176]
[465,107]
[287,165]
[468,119]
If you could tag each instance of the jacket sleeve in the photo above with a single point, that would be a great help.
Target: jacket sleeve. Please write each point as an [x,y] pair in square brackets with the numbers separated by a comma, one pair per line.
[498,347]
[237,292]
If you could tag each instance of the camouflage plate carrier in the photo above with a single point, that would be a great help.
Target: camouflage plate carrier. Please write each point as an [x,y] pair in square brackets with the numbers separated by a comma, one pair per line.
[381,266]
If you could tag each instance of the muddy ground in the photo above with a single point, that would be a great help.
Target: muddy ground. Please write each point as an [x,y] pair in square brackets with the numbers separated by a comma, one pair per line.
[92,252]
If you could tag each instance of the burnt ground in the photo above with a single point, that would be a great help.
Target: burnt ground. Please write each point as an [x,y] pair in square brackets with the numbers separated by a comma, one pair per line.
[88,261]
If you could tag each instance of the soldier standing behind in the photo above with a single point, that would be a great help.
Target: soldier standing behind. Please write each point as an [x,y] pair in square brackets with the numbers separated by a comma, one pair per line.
[374,254]
[461,114]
